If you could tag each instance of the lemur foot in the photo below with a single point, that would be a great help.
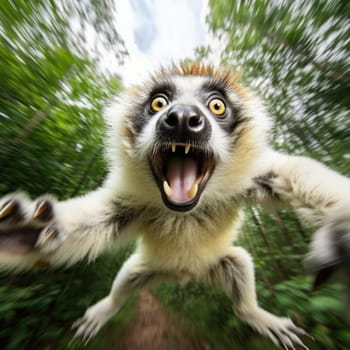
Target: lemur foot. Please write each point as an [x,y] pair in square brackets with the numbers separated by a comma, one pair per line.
[287,334]
[282,331]
[27,225]
[94,318]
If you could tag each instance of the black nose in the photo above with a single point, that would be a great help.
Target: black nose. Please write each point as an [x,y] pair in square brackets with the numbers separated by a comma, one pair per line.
[183,120]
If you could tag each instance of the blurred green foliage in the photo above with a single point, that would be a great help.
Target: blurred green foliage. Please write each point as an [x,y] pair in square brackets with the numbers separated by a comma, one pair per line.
[297,56]
[37,309]
[52,94]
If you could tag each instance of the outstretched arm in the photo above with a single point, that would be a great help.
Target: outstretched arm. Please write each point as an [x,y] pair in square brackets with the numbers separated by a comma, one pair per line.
[321,197]
[49,231]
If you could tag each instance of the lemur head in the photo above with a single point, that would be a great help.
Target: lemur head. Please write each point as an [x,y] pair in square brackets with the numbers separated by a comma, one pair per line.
[193,128]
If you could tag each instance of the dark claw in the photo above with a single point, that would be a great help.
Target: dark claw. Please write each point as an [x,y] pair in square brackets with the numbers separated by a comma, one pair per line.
[51,233]
[300,332]
[299,343]
[43,211]
[10,208]
[309,336]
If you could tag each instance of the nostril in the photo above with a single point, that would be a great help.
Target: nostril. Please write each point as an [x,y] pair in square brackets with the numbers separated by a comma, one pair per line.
[195,121]
[172,119]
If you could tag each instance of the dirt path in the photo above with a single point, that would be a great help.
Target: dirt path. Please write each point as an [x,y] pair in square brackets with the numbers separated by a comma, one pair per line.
[154,329]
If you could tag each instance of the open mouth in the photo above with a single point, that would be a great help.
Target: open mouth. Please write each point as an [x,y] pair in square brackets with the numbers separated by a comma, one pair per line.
[181,171]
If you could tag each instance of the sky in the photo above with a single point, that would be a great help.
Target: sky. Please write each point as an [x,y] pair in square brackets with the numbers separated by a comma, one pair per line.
[158,32]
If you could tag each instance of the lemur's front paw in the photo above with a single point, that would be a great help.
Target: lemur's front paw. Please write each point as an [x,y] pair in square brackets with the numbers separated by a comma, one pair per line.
[330,251]
[27,225]
[94,318]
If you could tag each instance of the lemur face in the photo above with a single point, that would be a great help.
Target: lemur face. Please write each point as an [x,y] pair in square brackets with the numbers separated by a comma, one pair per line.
[187,125]
[182,159]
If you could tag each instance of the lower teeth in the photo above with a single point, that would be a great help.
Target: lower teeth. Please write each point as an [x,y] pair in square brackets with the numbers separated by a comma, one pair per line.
[193,191]
[167,189]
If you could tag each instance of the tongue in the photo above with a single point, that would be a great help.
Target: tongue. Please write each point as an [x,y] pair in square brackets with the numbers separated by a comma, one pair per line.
[181,175]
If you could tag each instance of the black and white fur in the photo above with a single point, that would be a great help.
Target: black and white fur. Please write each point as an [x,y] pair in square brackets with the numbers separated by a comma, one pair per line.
[173,243]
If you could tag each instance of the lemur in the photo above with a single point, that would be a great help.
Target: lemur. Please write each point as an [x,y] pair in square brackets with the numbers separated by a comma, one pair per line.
[185,150]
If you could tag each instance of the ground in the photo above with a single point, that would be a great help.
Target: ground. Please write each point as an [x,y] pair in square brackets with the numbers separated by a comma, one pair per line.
[154,329]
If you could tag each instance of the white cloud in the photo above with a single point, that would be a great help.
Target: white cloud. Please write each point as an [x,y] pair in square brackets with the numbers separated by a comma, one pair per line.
[178,27]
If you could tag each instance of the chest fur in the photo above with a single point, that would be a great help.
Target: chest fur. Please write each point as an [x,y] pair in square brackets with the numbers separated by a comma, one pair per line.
[187,243]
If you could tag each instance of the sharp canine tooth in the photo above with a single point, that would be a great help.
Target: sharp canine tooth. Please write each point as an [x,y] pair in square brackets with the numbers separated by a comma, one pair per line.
[187,148]
[193,191]
[167,189]
[173,147]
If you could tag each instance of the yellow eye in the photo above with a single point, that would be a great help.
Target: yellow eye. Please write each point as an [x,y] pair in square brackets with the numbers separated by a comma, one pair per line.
[158,103]
[217,106]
